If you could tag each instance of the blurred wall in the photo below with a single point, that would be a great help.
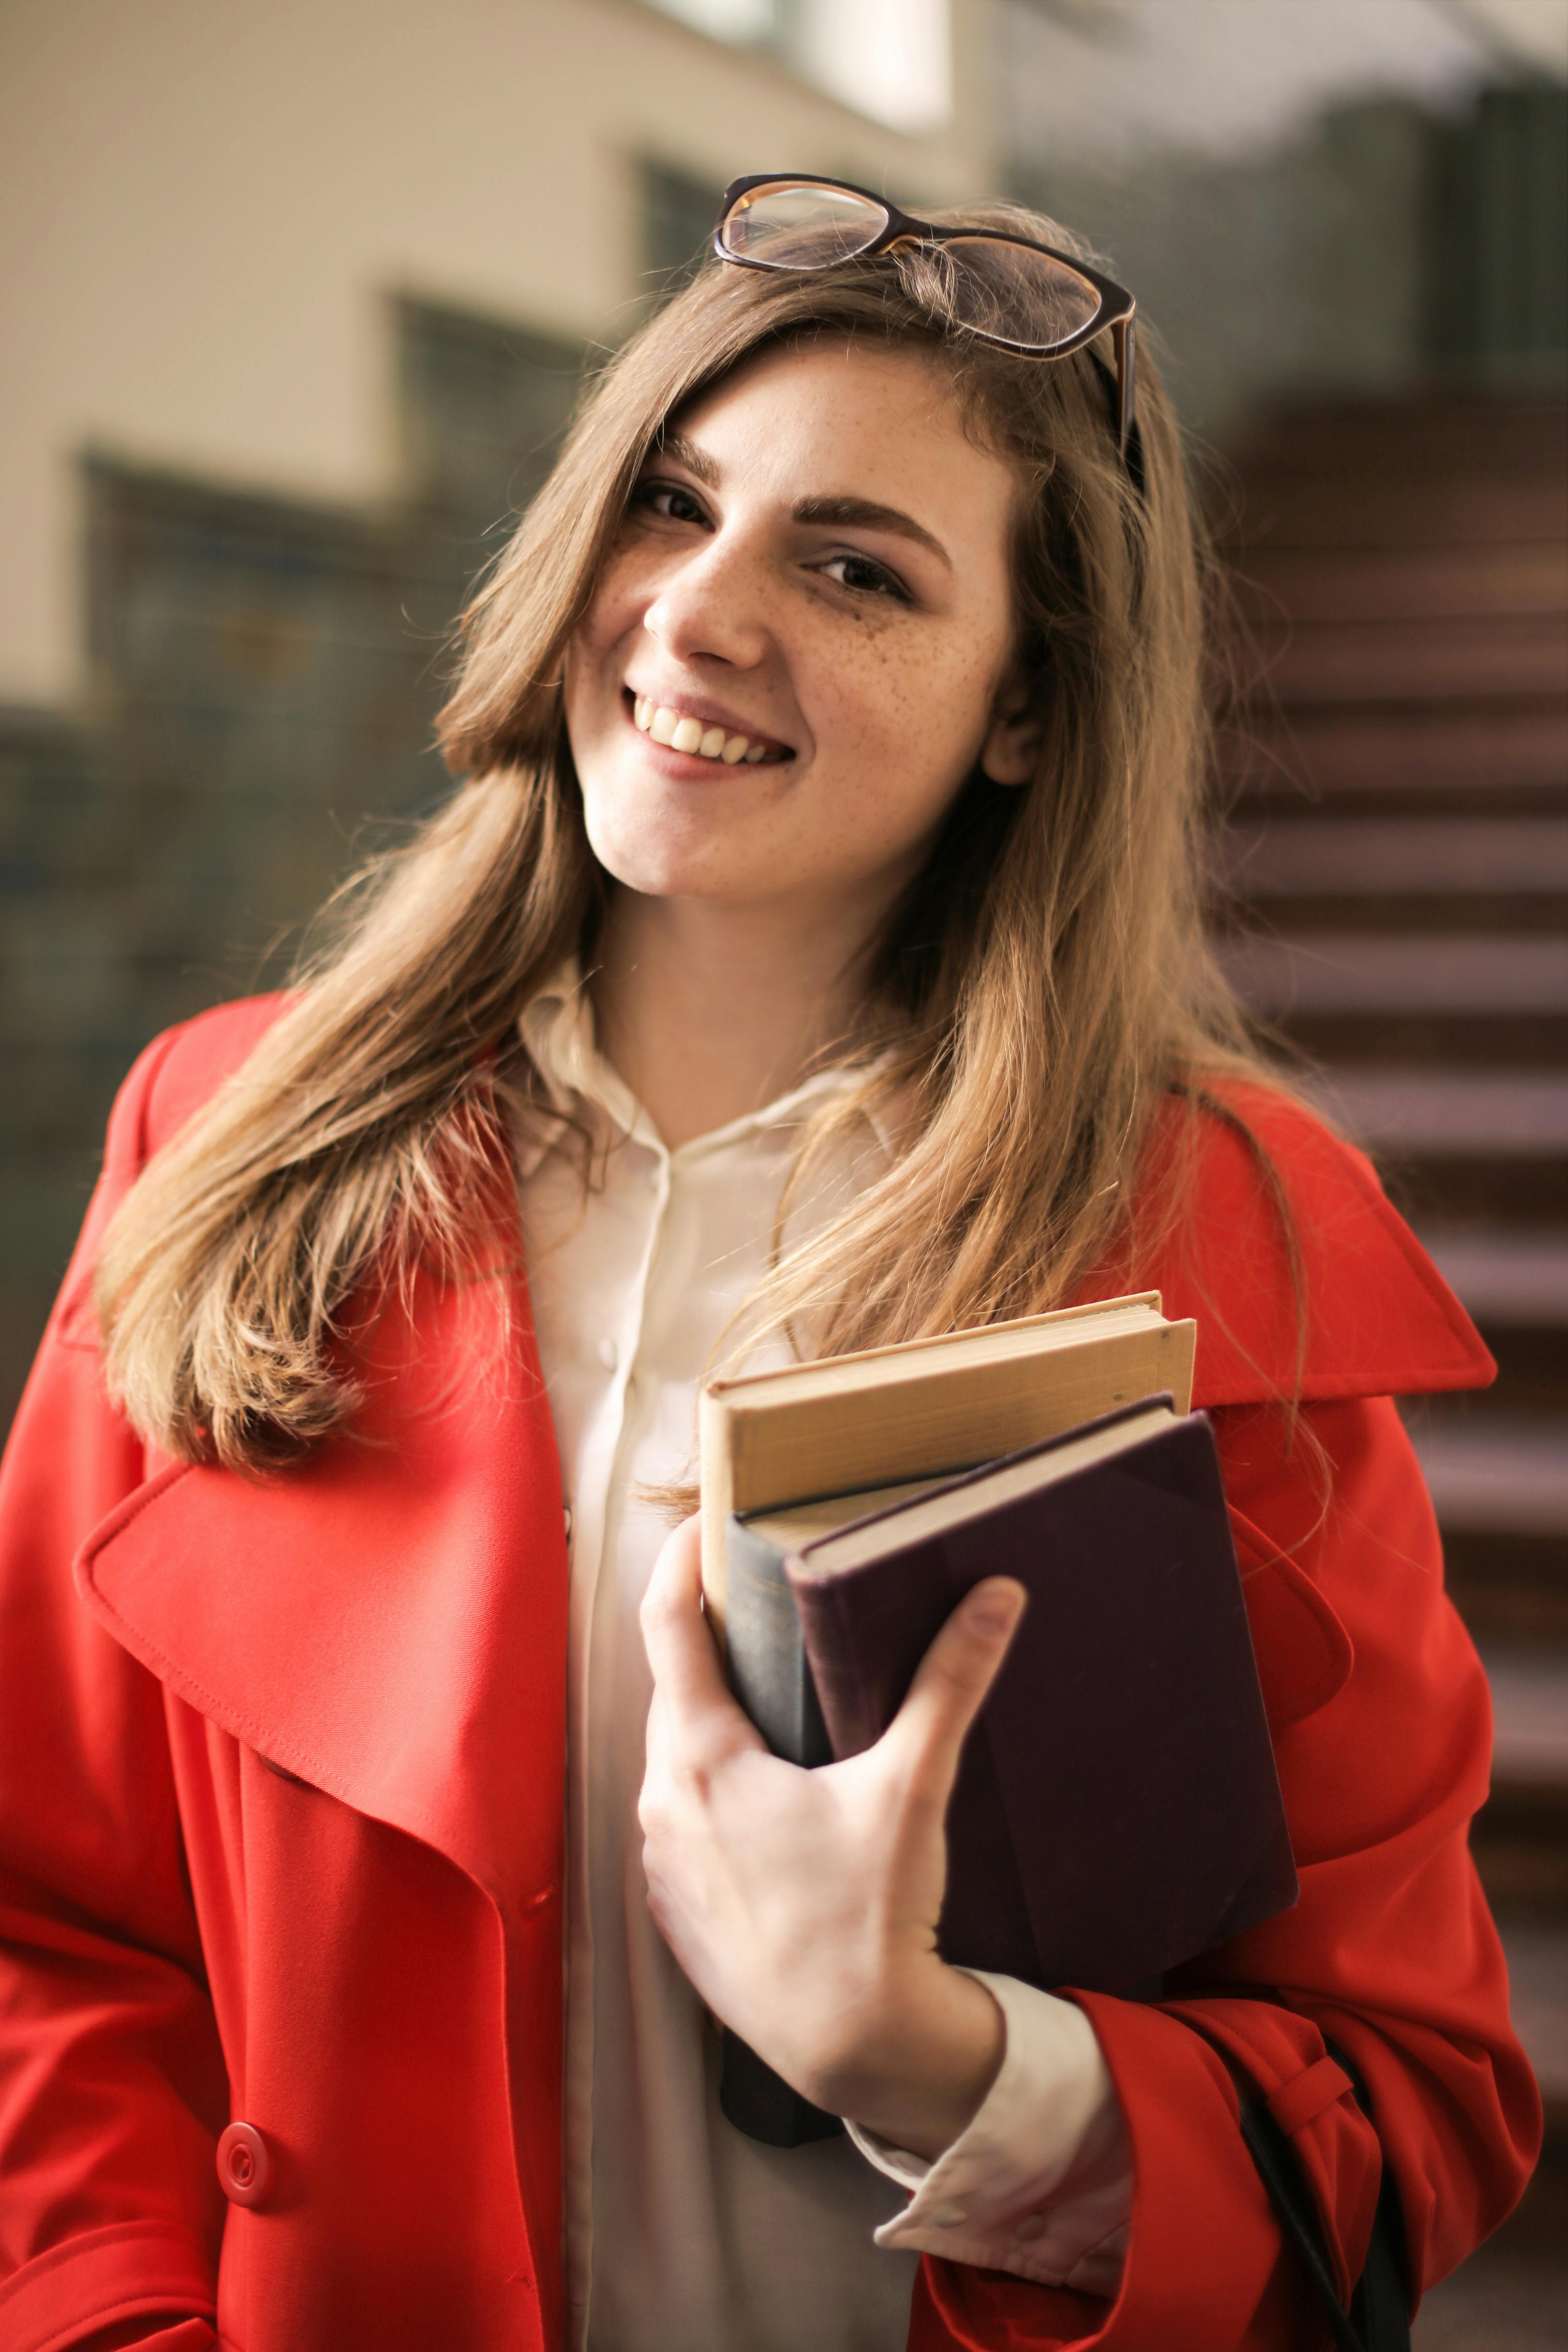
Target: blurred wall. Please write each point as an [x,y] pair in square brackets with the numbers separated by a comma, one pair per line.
[298,302]
[207,204]
[1344,198]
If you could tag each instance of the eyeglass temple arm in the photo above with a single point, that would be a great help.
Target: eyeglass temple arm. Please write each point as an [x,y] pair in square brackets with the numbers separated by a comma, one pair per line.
[1124,340]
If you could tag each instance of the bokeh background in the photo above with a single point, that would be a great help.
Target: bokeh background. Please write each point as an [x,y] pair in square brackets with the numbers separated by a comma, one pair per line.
[296,303]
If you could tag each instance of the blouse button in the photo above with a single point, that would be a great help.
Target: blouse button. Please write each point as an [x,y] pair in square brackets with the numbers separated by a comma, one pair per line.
[609,1354]
[948,2216]
[1028,2225]
[243,2165]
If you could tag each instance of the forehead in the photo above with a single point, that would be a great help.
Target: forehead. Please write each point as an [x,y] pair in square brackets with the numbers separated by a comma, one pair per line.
[835,415]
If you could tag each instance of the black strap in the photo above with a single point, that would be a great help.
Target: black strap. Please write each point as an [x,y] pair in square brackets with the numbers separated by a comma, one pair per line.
[1379,2316]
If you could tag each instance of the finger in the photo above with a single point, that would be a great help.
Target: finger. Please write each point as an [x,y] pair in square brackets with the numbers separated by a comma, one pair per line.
[688,1676]
[928,1731]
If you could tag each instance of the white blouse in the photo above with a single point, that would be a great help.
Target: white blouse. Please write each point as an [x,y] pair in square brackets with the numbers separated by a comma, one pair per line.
[683,2235]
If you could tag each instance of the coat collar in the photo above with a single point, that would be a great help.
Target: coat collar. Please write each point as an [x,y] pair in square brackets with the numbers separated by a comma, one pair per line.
[389,1621]
[1304,1279]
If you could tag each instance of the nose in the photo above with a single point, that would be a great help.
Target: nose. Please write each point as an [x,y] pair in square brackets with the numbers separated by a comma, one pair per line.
[713,606]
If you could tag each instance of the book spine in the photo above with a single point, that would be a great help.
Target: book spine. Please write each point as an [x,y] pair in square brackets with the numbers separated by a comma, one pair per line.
[769,1675]
[768,1670]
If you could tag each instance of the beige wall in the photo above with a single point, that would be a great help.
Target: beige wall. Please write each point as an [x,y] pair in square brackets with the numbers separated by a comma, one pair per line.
[205,201]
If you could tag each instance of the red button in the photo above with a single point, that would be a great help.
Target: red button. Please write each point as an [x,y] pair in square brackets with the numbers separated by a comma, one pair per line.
[243,2165]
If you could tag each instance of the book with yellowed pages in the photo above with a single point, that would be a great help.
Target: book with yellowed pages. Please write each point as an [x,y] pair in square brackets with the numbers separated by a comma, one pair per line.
[792,1458]
[828,1432]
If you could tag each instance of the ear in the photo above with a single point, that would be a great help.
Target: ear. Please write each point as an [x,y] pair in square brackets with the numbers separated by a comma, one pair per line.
[1011,752]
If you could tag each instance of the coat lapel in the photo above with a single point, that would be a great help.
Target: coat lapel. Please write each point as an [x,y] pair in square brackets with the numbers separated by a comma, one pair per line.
[389,1621]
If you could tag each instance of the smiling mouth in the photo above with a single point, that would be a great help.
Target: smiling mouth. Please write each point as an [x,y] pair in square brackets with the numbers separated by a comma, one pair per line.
[679,731]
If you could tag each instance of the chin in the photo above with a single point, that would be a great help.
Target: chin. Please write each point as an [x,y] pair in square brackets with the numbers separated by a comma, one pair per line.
[666,853]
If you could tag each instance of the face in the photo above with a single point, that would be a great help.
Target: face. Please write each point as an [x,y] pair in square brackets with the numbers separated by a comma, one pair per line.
[799,648]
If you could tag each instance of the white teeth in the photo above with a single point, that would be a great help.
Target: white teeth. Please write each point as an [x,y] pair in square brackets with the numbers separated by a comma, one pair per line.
[684,734]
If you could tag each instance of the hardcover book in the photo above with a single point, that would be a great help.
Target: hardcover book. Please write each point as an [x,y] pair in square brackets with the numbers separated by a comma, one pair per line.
[924,1409]
[1117,1809]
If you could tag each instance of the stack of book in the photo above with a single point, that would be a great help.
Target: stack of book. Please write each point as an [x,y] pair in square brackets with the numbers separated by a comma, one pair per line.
[1116,1809]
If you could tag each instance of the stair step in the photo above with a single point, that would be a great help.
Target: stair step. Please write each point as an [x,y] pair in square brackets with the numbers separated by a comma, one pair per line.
[1538,1997]
[1509,1586]
[1489,760]
[1529,1714]
[1422,661]
[1300,856]
[1499,1483]
[1519,1837]
[1494,1473]
[1502,1275]
[1461,1113]
[1350,972]
[1443,432]
[1510,2296]
[1455,1143]
[1378,584]
[1362,509]
[1514,1283]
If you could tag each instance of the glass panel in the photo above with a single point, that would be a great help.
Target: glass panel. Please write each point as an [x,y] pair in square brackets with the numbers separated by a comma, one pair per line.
[741,21]
[677,227]
[1001,289]
[793,227]
[891,60]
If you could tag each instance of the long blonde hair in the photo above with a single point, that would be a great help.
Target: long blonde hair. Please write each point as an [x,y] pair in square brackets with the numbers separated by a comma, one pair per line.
[1044,985]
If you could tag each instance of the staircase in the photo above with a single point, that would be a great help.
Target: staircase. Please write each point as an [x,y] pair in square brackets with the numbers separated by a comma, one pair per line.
[1392,895]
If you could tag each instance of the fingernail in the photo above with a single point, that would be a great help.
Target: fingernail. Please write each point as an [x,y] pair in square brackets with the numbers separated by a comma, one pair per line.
[994,1609]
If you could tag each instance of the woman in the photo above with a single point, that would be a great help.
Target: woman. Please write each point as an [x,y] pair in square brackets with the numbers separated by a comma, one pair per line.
[811,960]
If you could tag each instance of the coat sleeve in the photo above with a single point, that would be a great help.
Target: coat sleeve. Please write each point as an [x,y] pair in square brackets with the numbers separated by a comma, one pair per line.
[112,2086]
[1390,1953]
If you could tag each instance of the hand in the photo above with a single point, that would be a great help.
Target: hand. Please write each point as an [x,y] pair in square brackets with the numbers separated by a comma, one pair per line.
[804,1906]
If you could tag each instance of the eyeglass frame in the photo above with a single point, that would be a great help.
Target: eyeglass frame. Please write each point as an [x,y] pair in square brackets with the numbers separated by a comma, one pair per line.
[1116,315]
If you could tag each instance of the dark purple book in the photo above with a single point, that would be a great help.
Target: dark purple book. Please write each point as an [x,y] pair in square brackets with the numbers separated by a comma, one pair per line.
[1117,1809]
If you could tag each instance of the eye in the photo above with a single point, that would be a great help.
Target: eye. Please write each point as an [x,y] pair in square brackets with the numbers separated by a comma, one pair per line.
[670,499]
[864,577]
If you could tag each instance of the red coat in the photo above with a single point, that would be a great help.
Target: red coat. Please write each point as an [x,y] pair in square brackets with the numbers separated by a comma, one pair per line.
[280,1832]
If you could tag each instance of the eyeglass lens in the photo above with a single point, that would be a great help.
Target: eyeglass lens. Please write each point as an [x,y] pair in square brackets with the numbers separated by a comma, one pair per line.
[997,289]
[793,228]
[1006,290]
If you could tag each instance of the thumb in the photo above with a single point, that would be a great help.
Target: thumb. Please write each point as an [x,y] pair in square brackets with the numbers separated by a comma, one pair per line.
[928,1731]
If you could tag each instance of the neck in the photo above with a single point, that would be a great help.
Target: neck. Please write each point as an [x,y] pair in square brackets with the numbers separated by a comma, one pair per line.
[711,1012]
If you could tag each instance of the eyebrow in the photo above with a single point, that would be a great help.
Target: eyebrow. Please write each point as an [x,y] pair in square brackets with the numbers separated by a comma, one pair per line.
[865,514]
[850,513]
[695,461]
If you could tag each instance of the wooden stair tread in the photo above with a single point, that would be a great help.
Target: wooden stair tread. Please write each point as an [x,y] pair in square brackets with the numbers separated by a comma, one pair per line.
[1431,661]
[1503,1274]
[1484,752]
[1338,584]
[1366,857]
[1537,1955]
[1494,1471]
[1529,1714]
[1468,1112]
[1449,429]
[1351,971]
[1371,511]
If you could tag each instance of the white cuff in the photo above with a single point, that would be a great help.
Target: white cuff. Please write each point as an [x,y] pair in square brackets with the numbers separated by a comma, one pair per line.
[1040,2184]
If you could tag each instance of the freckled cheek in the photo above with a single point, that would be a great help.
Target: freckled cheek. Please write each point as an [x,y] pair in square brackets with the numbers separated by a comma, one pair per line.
[900,718]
